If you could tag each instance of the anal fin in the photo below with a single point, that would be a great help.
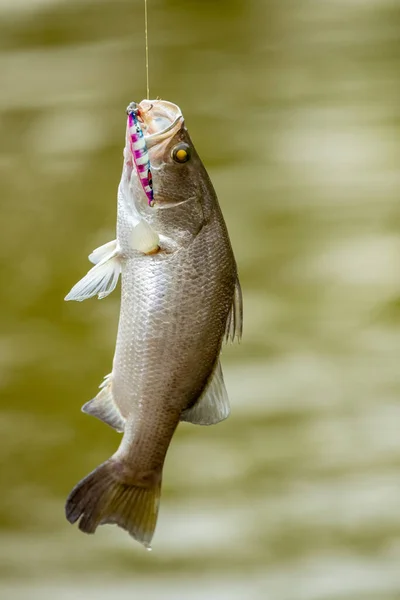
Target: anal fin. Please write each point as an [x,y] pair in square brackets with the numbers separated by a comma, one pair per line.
[104,408]
[234,323]
[213,405]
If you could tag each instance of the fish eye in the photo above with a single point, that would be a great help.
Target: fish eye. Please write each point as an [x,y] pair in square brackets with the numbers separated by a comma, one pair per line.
[181,153]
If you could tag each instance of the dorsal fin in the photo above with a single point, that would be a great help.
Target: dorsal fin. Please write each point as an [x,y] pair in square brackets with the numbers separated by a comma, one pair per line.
[213,405]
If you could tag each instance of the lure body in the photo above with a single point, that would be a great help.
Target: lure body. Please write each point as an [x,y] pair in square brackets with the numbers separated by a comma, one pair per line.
[139,151]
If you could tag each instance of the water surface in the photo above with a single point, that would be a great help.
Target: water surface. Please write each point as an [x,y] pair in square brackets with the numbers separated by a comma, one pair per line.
[293,107]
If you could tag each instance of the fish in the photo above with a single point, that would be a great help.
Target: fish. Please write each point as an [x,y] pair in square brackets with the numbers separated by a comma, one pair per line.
[180,301]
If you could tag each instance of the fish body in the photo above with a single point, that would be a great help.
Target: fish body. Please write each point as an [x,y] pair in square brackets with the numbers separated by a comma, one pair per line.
[180,297]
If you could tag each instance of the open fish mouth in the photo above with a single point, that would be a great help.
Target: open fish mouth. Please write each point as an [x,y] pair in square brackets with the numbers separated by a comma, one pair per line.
[159,120]
[151,126]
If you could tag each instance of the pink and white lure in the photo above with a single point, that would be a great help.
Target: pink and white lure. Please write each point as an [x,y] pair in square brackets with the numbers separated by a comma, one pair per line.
[139,151]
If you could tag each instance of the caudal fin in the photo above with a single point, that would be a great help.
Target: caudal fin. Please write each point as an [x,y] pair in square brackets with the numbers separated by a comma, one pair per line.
[104,496]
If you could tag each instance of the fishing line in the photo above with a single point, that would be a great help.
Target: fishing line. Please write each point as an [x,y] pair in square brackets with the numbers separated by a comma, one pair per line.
[147,49]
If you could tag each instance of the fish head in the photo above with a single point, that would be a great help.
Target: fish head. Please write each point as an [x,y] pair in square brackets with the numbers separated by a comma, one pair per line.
[177,170]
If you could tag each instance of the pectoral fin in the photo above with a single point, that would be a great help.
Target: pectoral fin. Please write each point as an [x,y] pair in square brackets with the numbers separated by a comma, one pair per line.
[234,324]
[104,408]
[144,238]
[101,279]
[213,405]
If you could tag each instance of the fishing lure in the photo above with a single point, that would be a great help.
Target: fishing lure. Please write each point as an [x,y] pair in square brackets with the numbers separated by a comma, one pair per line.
[139,151]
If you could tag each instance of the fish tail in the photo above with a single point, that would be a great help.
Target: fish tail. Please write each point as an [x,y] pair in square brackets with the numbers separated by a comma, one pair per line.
[108,495]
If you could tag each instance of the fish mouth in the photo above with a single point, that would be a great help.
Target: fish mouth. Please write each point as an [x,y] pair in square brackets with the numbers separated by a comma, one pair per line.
[160,120]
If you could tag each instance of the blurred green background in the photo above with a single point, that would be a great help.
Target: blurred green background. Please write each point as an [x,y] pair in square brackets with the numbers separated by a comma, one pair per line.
[294,108]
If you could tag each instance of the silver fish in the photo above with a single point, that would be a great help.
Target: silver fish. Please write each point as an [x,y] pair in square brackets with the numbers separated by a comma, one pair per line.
[180,299]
